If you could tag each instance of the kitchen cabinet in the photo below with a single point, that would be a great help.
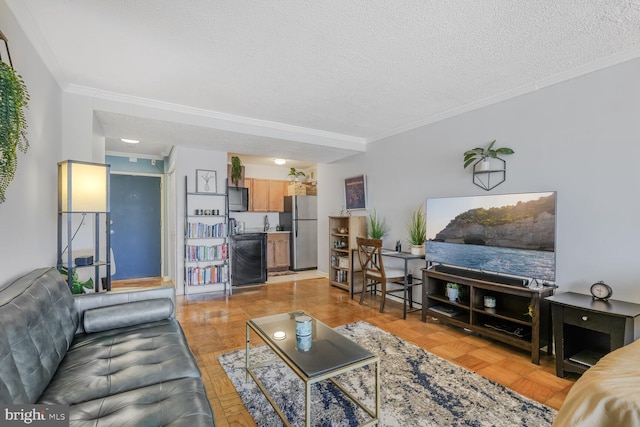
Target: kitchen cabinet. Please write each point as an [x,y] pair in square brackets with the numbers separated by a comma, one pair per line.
[278,254]
[266,195]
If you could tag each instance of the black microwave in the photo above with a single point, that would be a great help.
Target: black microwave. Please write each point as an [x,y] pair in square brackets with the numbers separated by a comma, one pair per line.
[238,199]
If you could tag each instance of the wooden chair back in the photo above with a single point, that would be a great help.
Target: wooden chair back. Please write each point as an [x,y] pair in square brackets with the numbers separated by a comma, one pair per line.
[370,256]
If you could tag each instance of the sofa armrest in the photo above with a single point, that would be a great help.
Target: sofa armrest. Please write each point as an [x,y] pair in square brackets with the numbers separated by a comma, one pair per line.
[85,302]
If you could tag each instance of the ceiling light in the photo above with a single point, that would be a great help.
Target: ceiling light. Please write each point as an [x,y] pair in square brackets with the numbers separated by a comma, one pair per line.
[130,141]
[279,161]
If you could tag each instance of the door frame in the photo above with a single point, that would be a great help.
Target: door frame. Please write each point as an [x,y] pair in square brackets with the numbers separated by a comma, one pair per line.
[163,248]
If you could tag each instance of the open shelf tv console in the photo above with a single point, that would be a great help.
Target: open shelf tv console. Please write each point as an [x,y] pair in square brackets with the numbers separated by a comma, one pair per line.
[521,317]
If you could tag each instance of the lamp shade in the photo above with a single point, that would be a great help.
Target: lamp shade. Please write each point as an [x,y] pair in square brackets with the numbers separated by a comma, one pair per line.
[83,187]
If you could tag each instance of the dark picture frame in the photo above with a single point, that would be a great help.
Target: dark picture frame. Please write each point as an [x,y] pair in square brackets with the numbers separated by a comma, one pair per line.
[206,181]
[355,192]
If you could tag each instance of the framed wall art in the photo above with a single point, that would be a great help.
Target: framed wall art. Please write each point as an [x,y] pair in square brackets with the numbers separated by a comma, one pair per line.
[355,192]
[206,181]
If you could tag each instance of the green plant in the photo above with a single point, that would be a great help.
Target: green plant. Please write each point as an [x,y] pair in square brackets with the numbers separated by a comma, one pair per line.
[482,153]
[14,99]
[295,173]
[76,285]
[451,285]
[236,170]
[378,227]
[417,227]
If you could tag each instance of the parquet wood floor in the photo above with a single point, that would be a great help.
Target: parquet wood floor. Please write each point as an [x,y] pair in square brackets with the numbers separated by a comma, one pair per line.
[215,324]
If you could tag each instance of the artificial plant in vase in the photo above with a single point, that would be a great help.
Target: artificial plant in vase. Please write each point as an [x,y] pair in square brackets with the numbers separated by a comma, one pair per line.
[482,155]
[14,99]
[295,174]
[417,229]
[236,170]
[378,227]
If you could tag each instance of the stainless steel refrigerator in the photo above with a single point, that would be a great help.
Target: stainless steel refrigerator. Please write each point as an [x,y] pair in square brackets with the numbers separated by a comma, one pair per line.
[300,216]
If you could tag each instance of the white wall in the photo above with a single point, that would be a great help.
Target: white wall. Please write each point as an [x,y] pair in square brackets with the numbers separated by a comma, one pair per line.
[28,224]
[580,138]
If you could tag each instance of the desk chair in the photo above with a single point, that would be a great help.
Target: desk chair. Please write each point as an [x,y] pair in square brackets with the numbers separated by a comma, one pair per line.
[373,271]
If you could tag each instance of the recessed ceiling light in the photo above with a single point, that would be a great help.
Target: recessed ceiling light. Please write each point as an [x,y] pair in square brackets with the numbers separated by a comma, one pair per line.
[130,141]
[279,161]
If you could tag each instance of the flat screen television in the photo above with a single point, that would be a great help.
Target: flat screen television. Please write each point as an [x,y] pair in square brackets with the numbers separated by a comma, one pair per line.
[510,234]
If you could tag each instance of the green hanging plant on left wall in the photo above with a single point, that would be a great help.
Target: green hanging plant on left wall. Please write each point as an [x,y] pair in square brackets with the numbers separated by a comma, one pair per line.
[14,99]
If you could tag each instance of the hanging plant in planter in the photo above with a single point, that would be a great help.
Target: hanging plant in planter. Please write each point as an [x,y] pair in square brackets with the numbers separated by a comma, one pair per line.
[13,125]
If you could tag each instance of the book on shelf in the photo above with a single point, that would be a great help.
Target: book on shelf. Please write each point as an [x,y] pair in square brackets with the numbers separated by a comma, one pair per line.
[586,357]
[447,311]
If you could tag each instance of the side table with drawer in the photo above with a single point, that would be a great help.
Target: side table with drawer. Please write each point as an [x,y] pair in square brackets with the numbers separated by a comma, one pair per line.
[585,329]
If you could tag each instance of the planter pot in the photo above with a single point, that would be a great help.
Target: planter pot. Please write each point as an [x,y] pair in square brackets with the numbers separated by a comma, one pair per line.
[452,294]
[417,249]
[484,165]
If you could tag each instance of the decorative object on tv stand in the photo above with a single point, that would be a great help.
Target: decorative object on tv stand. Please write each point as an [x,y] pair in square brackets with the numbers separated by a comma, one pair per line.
[417,229]
[378,227]
[206,181]
[294,175]
[84,188]
[452,291]
[14,99]
[485,175]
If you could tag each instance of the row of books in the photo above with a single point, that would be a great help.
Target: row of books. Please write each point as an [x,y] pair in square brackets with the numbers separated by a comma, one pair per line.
[207,275]
[200,230]
[207,253]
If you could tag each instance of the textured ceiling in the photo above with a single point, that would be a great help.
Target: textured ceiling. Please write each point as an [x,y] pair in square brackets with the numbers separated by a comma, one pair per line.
[353,71]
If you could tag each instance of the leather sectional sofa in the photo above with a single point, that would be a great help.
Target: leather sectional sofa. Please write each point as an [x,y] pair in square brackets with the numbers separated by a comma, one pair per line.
[117,358]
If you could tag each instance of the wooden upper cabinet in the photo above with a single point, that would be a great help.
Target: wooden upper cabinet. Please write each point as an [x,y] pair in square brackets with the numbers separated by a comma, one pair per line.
[260,195]
[266,195]
[276,196]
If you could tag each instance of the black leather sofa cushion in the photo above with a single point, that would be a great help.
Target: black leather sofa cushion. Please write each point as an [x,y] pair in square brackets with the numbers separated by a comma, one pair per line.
[178,403]
[118,360]
[129,314]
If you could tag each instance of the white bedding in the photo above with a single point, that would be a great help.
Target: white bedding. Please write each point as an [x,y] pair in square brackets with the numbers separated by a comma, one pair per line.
[607,394]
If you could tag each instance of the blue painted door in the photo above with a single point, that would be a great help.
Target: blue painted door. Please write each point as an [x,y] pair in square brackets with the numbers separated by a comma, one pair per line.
[136,228]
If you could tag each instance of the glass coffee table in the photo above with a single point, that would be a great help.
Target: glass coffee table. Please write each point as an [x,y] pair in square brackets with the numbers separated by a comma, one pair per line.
[329,354]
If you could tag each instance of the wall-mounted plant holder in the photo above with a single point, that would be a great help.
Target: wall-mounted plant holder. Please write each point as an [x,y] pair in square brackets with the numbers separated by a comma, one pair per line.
[489,176]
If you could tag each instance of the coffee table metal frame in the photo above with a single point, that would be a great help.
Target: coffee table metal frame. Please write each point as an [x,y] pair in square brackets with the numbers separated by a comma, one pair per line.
[375,360]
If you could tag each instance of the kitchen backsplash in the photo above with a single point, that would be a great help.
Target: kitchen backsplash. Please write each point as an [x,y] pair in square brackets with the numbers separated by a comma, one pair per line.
[254,221]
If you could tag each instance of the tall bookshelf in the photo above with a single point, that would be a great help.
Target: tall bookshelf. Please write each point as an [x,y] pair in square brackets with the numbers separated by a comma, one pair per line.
[206,247]
[343,231]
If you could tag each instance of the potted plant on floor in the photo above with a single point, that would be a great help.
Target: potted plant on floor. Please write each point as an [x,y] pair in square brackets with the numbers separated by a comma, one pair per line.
[417,229]
[378,227]
[481,156]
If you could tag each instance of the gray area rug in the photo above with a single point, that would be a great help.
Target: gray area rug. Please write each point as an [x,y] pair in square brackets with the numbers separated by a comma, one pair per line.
[418,389]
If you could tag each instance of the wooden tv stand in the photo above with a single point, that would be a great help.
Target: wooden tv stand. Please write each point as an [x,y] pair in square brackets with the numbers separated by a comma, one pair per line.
[508,322]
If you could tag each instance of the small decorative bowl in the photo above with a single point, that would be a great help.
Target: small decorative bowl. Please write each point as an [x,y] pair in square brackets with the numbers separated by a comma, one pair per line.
[343,230]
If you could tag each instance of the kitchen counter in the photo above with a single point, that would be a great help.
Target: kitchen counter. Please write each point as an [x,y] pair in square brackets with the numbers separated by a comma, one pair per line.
[277,232]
